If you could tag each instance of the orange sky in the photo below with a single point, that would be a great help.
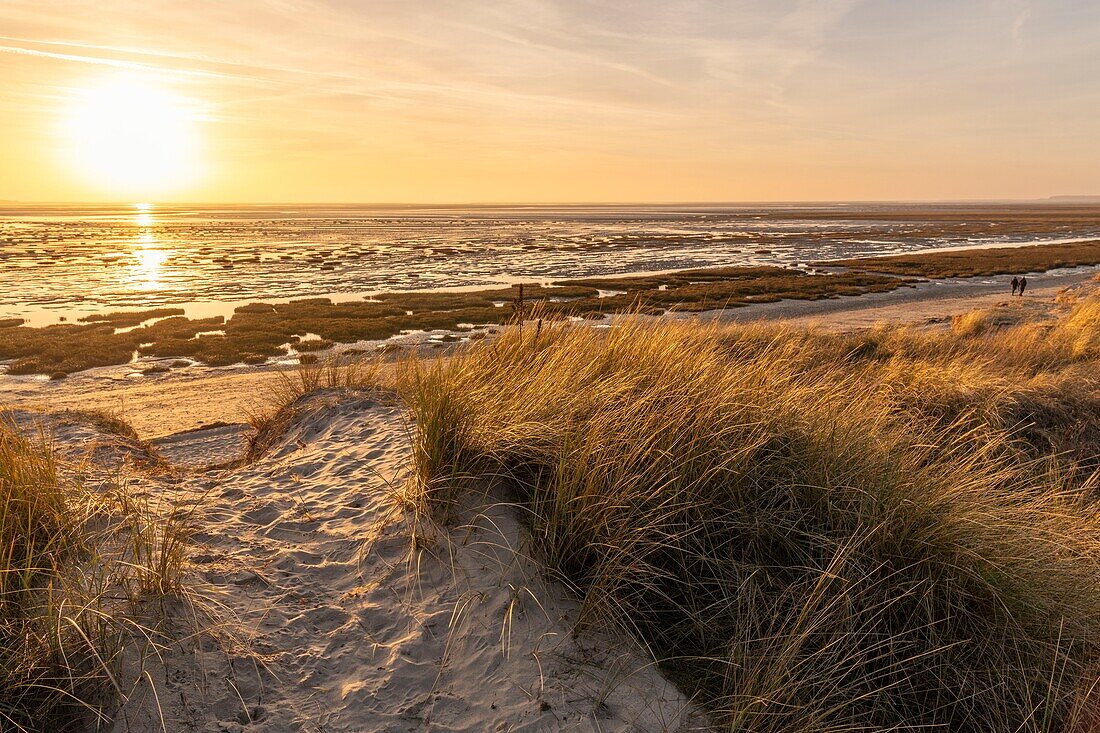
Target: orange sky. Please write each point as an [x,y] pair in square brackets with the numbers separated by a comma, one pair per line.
[549,100]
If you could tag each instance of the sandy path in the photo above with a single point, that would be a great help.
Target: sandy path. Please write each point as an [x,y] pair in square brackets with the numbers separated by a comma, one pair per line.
[333,619]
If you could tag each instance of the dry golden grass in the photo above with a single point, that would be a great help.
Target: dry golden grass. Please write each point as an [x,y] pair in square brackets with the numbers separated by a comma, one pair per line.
[77,572]
[974,323]
[887,530]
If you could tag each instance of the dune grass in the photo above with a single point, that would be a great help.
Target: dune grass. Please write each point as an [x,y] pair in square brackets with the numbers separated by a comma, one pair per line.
[892,530]
[77,573]
[275,408]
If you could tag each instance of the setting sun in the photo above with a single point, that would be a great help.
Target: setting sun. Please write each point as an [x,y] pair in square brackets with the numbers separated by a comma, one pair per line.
[130,135]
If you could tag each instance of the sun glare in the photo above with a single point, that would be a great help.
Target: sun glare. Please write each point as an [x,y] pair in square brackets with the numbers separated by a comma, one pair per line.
[130,135]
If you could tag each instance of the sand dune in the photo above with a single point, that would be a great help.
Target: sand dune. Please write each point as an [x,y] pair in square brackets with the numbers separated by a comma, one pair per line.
[327,615]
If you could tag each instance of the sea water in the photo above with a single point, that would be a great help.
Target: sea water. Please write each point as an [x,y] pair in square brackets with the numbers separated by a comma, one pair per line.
[62,261]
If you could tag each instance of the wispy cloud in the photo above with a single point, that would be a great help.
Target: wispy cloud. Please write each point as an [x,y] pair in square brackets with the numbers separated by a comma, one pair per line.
[102,61]
[1020,22]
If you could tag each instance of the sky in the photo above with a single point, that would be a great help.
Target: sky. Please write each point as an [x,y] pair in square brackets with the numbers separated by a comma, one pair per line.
[457,101]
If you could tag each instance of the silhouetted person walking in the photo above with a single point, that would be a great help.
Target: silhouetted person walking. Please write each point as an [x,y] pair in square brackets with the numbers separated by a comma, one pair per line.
[1023,284]
[1015,284]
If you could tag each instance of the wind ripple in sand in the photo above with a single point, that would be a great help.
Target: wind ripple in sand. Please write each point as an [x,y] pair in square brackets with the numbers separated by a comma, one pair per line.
[337,622]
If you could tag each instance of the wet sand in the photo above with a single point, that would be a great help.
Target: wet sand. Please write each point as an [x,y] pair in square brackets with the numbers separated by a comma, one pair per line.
[184,400]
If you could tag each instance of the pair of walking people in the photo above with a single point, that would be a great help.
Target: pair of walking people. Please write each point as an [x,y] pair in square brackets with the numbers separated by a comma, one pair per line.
[1019,283]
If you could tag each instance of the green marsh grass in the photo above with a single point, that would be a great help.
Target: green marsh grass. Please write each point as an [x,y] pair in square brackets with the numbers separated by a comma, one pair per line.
[258,331]
[975,262]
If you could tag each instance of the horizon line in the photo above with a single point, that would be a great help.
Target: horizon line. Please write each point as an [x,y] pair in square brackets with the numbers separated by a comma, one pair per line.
[1056,198]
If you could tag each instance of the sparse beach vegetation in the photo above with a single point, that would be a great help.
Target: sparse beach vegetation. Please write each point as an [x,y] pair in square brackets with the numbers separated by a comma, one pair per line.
[276,406]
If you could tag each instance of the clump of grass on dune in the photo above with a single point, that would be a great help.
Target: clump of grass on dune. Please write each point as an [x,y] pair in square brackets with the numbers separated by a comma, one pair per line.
[276,408]
[974,323]
[803,542]
[1033,381]
[76,572]
[1081,328]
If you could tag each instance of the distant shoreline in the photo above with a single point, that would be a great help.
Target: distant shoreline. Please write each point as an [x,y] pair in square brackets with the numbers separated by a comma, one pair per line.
[1053,199]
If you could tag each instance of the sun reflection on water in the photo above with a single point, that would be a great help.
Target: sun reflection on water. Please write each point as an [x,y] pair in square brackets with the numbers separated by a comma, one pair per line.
[149,259]
[148,269]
